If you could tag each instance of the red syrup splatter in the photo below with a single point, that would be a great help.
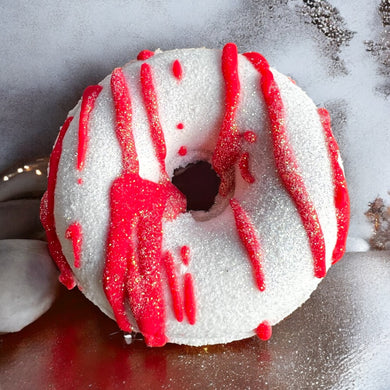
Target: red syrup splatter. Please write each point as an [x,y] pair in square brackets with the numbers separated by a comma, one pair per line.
[144,55]
[177,70]
[247,233]
[182,151]
[341,198]
[87,104]
[74,233]
[174,286]
[151,104]
[286,162]
[189,298]
[47,212]
[250,137]
[180,126]
[138,206]
[227,150]
[185,254]
[244,168]
[264,331]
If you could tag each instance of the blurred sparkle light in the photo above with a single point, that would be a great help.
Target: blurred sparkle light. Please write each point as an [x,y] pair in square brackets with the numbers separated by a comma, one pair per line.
[38,172]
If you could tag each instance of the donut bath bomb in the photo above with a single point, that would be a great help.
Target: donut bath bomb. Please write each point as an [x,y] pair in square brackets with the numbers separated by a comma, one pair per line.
[123,232]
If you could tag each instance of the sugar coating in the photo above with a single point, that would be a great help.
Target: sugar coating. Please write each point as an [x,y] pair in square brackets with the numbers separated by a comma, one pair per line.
[229,305]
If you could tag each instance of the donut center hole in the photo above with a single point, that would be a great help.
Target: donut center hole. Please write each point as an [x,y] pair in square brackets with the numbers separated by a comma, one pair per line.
[199,183]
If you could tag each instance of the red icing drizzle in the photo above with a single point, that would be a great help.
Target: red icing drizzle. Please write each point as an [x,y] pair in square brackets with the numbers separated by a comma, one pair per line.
[174,286]
[74,233]
[247,234]
[185,254]
[180,126]
[151,105]
[189,298]
[138,206]
[341,198]
[87,104]
[227,150]
[144,55]
[123,114]
[287,165]
[250,137]
[177,70]
[47,212]
[244,168]
[182,151]
[264,331]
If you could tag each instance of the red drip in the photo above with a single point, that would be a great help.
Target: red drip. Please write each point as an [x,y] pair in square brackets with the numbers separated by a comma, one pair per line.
[151,105]
[341,198]
[138,206]
[246,232]
[123,114]
[185,254]
[180,126]
[47,212]
[80,181]
[182,151]
[144,55]
[250,137]
[264,331]
[287,165]
[189,298]
[87,104]
[244,168]
[292,80]
[74,233]
[177,70]
[174,286]
[227,150]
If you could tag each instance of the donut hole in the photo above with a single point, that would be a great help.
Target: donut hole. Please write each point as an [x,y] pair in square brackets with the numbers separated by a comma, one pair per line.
[199,183]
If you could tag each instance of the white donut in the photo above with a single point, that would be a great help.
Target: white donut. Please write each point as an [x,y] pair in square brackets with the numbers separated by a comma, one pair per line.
[117,227]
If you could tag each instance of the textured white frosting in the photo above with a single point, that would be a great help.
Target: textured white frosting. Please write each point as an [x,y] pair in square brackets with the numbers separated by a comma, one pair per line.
[229,305]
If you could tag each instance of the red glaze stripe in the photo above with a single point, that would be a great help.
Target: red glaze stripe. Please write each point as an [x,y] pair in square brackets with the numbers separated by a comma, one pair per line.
[287,165]
[244,168]
[341,198]
[174,286]
[185,254]
[177,70]
[150,100]
[87,104]
[123,122]
[250,137]
[47,212]
[189,298]
[227,150]
[75,233]
[246,232]
[264,331]
[133,265]
[144,55]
